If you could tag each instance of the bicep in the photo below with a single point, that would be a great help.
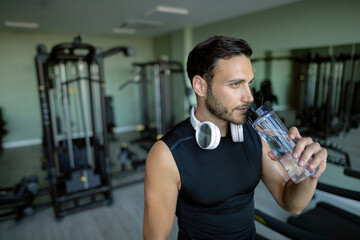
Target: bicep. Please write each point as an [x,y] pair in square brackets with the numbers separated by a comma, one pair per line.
[273,176]
[161,191]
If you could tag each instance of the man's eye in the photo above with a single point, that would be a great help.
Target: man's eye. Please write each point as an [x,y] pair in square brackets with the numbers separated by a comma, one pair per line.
[235,84]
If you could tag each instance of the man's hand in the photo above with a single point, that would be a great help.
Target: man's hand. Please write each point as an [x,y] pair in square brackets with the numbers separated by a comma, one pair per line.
[308,152]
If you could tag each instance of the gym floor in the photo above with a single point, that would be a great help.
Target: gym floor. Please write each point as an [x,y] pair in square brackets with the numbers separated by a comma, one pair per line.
[123,219]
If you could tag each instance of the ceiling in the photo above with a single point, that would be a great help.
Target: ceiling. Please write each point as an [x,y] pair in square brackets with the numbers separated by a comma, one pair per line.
[114,17]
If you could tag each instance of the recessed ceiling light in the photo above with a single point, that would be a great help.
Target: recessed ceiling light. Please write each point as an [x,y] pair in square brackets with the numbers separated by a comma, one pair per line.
[124,31]
[32,25]
[171,10]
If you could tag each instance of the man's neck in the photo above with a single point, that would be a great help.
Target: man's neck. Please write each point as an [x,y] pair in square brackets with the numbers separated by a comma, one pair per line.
[203,114]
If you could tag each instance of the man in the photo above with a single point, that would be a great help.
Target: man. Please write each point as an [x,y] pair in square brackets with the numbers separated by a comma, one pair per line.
[211,191]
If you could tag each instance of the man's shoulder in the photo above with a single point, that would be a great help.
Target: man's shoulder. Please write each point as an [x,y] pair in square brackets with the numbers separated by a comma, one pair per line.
[181,131]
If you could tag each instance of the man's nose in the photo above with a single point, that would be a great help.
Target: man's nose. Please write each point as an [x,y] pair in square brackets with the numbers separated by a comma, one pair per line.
[248,97]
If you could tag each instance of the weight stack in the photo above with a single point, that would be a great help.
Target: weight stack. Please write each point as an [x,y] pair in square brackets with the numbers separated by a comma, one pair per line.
[110,118]
[3,132]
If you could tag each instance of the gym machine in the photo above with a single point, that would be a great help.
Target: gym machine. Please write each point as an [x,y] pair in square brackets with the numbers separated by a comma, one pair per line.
[17,202]
[110,118]
[76,151]
[155,90]
[325,221]
[329,91]
[3,131]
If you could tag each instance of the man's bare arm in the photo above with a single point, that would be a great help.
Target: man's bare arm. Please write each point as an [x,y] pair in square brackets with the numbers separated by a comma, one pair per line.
[161,185]
[290,196]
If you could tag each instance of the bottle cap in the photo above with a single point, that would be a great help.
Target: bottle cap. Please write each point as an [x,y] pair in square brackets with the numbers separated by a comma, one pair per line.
[254,113]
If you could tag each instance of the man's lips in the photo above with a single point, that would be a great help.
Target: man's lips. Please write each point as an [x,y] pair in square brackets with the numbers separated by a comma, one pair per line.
[243,110]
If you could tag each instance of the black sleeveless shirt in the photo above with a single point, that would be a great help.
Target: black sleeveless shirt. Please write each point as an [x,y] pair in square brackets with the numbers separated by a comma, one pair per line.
[217,186]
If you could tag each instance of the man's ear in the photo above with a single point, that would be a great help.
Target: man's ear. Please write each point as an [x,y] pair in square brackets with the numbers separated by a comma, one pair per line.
[199,85]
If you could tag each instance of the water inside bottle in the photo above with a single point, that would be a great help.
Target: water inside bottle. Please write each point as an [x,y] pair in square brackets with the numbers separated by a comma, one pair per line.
[281,145]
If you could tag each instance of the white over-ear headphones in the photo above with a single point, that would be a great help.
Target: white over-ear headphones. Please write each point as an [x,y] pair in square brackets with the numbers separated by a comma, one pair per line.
[208,134]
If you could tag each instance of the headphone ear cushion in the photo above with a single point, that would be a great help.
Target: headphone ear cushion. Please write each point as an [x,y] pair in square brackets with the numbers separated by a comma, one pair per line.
[205,131]
[237,133]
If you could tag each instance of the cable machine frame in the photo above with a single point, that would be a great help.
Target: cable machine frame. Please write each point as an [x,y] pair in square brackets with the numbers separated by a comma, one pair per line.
[64,197]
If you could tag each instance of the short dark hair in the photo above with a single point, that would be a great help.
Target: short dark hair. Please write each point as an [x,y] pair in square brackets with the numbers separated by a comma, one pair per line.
[204,57]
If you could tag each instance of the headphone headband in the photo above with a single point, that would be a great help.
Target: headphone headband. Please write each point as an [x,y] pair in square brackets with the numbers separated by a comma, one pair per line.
[194,122]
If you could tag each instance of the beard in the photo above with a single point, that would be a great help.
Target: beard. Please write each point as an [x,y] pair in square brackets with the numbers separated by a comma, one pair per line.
[220,111]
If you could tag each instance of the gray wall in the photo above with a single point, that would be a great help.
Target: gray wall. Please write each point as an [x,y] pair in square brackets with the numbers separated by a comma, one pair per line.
[304,24]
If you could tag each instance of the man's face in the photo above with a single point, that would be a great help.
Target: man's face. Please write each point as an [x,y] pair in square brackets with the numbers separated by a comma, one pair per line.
[229,95]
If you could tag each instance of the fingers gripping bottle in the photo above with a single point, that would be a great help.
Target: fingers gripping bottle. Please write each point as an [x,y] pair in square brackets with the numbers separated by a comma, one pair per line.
[275,134]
